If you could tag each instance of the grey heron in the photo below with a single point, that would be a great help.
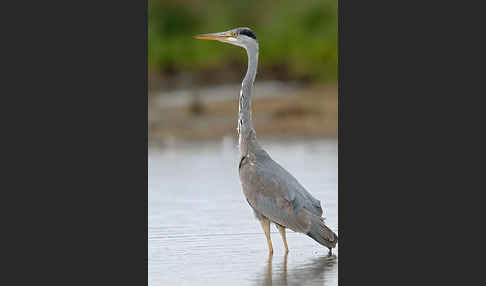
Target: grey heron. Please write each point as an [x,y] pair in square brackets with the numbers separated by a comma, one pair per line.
[270,190]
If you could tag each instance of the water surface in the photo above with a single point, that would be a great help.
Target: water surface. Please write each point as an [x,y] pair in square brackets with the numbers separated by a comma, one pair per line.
[202,231]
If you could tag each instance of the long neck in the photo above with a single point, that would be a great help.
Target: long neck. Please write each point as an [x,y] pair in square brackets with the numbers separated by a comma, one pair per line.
[246,132]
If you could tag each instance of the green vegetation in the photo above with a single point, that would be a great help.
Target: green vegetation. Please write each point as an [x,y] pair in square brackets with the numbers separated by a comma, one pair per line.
[299,37]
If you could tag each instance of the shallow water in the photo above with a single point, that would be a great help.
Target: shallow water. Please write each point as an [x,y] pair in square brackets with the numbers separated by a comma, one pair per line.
[202,231]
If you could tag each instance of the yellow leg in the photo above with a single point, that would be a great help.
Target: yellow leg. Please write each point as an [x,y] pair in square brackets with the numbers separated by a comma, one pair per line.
[284,237]
[266,228]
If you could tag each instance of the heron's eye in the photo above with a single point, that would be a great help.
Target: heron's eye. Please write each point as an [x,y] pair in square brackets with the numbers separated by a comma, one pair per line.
[234,34]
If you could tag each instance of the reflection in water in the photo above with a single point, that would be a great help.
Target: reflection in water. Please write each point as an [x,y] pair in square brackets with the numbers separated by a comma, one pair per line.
[268,271]
[313,272]
[201,230]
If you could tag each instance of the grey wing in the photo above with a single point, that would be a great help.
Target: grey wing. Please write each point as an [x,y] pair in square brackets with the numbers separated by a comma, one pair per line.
[295,191]
[273,192]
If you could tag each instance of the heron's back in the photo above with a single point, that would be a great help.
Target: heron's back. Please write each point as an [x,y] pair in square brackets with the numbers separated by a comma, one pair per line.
[273,192]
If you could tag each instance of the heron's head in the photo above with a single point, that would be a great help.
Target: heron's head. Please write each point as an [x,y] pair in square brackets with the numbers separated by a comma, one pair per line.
[243,37]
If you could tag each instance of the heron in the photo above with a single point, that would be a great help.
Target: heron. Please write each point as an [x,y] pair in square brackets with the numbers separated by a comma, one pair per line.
[271,191]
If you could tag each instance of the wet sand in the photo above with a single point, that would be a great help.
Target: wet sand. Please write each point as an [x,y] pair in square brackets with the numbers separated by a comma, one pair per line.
[202,232]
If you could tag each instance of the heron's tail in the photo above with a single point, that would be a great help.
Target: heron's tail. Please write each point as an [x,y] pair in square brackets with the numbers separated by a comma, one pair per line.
[321,233]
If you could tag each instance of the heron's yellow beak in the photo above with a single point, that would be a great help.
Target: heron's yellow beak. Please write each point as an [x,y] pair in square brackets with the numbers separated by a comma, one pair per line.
[214,36]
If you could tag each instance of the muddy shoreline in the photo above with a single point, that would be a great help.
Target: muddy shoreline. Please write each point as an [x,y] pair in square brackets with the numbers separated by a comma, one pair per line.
[291,112]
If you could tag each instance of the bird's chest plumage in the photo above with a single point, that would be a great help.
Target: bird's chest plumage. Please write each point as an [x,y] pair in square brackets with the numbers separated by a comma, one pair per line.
[258,187]
[248,177]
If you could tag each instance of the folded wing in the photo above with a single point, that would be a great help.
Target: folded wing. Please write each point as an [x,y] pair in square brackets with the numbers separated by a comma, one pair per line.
[273,192]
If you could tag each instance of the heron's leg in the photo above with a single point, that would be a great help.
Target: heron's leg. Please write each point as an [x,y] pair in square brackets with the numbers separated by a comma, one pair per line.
[268,275]
[284,237]
[266,228]
[284,272]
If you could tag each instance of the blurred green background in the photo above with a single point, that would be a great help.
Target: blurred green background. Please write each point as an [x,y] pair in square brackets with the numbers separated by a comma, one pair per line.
[194,84]
[298,39]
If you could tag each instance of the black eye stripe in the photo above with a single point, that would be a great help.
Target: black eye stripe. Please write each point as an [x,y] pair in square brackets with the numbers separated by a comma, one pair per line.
[248,33]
